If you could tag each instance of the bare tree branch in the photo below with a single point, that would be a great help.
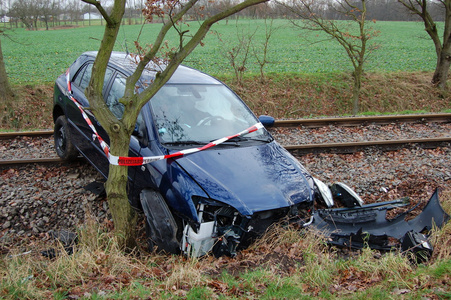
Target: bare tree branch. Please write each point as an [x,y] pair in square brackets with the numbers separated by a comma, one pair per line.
[354,44]
[101,10]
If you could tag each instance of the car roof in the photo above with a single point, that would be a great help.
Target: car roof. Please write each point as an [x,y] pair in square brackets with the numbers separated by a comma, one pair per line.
[183,74]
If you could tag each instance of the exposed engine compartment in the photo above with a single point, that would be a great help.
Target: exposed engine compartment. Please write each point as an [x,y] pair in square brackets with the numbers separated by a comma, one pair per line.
[224,231]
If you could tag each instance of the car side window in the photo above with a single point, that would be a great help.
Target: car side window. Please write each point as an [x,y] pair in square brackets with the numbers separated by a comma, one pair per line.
[116,92]
[84,76]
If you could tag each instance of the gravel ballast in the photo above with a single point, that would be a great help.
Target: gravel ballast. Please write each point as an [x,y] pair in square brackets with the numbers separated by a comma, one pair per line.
[39,198]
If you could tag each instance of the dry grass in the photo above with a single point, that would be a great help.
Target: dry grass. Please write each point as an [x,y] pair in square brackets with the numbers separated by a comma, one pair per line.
[284,263]
[296,95]
[282,96]
[441,238]
[30,109]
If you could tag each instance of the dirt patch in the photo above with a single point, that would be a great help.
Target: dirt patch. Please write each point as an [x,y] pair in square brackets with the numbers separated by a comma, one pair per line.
[54,28]
[65,27]
[31,108]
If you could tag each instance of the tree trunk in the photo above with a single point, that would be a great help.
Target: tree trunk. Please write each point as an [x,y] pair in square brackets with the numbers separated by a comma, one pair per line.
[5,90]
[356,89]
[123,214]
[421,8]
[442,69]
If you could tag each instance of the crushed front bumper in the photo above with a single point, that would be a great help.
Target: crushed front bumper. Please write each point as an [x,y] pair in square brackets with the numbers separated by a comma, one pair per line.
[367,225]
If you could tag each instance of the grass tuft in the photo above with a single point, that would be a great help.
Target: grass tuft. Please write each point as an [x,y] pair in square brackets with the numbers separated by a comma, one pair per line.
[441,238]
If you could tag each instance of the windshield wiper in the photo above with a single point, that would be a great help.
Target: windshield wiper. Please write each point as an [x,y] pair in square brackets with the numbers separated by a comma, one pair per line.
[264,139]
[181,143]
[238,139]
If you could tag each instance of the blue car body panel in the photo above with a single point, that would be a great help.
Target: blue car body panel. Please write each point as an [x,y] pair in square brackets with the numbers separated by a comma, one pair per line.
[250,179]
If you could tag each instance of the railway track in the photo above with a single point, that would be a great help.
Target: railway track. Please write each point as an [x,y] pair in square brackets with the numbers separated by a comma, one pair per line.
[344,147]
[11,135]
[352,147]
[309,123]
[18,162]
[361,121]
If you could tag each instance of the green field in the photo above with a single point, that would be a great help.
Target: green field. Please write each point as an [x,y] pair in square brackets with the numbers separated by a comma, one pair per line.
[40,56]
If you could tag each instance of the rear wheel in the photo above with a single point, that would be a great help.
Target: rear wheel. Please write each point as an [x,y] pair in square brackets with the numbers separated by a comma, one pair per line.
[63,144]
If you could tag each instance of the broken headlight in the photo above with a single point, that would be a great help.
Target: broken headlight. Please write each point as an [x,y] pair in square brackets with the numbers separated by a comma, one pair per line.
[223,229]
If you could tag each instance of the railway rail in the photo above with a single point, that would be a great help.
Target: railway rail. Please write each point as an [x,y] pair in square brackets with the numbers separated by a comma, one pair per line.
[343,147]
[361,121]
[352,147]
[17,162]
[11,135]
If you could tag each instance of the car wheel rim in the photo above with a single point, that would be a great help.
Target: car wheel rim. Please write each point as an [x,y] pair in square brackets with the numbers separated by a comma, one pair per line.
[61,141]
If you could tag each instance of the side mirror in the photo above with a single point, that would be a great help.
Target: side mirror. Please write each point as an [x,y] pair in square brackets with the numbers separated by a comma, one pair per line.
[267,121]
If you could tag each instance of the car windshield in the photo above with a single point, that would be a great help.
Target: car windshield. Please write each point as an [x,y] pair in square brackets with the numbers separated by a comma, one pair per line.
[200,113]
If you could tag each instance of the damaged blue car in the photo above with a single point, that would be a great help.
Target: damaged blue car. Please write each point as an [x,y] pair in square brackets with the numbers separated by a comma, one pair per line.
[218,199]
[217,179]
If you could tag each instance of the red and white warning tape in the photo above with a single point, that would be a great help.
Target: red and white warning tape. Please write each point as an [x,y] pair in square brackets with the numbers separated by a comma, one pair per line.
[138,161]
[103,144]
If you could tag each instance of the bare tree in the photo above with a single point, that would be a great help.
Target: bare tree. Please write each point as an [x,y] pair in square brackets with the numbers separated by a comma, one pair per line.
[353,36]
[74,9]
[21,9]
[120,131]
[261,51]
[422,8]
[45,9]
[5,89]
[237,54]
[30,12]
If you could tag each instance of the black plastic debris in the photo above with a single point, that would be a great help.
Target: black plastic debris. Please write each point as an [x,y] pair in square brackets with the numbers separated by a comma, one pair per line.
[96,187]
[417,244]
[367,225]
[360,240]
[66,238]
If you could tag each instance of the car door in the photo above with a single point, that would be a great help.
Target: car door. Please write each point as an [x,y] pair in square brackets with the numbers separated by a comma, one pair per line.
[113,94]
[83,137]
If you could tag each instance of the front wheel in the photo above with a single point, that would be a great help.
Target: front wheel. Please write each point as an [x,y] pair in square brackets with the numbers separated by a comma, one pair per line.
[63,144]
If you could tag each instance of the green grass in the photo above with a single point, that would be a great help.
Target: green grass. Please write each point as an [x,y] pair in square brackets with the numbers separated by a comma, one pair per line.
[40,56]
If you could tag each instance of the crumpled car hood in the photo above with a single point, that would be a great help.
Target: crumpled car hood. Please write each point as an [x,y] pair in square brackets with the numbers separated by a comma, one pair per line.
[251,179]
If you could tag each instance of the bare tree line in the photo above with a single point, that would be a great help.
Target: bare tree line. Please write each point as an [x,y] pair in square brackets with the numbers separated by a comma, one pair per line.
[379,10]
[34,14]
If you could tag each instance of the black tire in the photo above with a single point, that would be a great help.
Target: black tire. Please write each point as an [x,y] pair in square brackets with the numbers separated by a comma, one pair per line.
[63,144]
[161,226]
